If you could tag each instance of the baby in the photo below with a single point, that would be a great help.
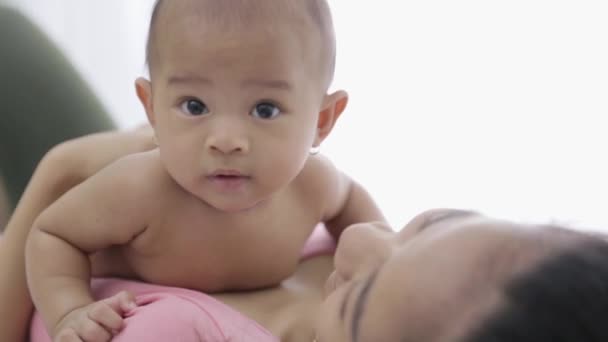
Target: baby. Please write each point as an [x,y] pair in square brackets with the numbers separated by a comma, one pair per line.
[238,101]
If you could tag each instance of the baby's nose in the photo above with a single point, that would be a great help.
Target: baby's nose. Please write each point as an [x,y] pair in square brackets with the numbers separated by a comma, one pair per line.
[227,146]
[227,142]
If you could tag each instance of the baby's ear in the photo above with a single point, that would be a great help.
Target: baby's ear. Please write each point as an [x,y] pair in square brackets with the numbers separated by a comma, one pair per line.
[333,106]
[143,87]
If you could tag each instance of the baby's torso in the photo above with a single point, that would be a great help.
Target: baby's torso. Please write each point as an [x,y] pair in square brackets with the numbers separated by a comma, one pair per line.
[192,245]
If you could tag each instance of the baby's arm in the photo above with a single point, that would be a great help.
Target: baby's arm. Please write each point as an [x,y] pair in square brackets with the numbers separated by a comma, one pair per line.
[345,202]
[62,168]
[105,210]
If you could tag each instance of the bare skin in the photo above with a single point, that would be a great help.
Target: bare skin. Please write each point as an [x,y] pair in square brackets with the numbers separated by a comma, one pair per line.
[434,280]
[288,310]
[60,170]
[235,115]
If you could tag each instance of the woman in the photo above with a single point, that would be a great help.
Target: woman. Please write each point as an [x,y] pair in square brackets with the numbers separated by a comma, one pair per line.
[453,275]
[446,276]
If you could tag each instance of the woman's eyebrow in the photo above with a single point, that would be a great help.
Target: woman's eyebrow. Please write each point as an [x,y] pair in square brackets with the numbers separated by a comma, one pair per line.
[444,216]
[360,305]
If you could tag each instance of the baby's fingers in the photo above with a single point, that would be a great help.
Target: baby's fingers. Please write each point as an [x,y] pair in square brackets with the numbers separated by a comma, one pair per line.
[91,331]
[121,302]
[107,317]
[67,335]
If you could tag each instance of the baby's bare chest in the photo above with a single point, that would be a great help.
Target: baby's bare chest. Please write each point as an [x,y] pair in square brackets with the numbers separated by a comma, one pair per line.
[210,252]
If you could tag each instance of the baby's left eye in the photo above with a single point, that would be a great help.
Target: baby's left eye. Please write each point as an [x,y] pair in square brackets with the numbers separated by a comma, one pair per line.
[266,110]
[194,107]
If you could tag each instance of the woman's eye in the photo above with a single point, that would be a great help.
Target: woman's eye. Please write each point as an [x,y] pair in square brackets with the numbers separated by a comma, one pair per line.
[266,111]
[194,107]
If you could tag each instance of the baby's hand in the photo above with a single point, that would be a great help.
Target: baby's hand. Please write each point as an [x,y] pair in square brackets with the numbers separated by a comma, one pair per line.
[96,322]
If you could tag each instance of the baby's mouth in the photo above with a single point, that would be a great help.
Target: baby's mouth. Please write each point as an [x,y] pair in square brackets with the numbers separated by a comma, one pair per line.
[227,174]
[228,180]
[228,177]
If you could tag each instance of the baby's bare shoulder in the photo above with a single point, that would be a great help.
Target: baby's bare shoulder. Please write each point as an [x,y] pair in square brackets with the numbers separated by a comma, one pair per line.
[139,174]
[113,205]
[318,173]
[140,165]
[319,183]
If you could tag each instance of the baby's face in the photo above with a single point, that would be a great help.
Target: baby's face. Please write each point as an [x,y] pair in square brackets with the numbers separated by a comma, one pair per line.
[235,112]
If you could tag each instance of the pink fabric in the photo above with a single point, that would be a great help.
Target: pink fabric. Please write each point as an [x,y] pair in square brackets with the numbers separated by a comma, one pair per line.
[171,314]
[175,314]
[319,243]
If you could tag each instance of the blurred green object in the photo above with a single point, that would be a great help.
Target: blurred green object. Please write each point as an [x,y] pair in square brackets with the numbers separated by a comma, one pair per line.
[43,101]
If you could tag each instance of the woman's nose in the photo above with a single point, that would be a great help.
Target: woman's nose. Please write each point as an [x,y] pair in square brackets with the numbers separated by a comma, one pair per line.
[361,247]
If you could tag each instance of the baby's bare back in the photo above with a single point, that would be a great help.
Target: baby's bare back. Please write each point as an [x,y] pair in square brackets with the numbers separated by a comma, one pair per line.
[190,244]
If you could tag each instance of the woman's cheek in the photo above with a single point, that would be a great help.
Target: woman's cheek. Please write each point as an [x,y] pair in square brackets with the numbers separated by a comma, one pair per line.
[328,324]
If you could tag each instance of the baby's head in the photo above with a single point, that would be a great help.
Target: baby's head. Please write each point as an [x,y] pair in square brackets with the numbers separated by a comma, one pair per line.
[238,93]
[309,21]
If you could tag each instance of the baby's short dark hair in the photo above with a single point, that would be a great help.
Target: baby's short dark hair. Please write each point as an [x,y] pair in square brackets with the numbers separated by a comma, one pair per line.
[317,10]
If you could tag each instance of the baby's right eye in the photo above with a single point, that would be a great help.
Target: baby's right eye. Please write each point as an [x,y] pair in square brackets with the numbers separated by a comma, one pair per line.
[194,107]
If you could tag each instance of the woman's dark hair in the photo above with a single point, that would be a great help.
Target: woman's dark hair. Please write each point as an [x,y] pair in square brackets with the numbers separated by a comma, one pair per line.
[563,299]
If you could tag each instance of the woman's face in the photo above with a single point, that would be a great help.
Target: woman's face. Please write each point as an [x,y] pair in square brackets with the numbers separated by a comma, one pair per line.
[427,282]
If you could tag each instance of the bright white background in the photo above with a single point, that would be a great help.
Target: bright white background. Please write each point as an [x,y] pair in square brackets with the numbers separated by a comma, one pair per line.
[498,106]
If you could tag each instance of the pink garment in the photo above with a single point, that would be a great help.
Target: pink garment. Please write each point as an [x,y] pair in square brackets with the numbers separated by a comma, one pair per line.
[319,243]
[171,314]
[174,314]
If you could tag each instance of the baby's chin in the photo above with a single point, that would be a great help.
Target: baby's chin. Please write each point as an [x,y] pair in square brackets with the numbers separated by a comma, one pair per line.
[233,207]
